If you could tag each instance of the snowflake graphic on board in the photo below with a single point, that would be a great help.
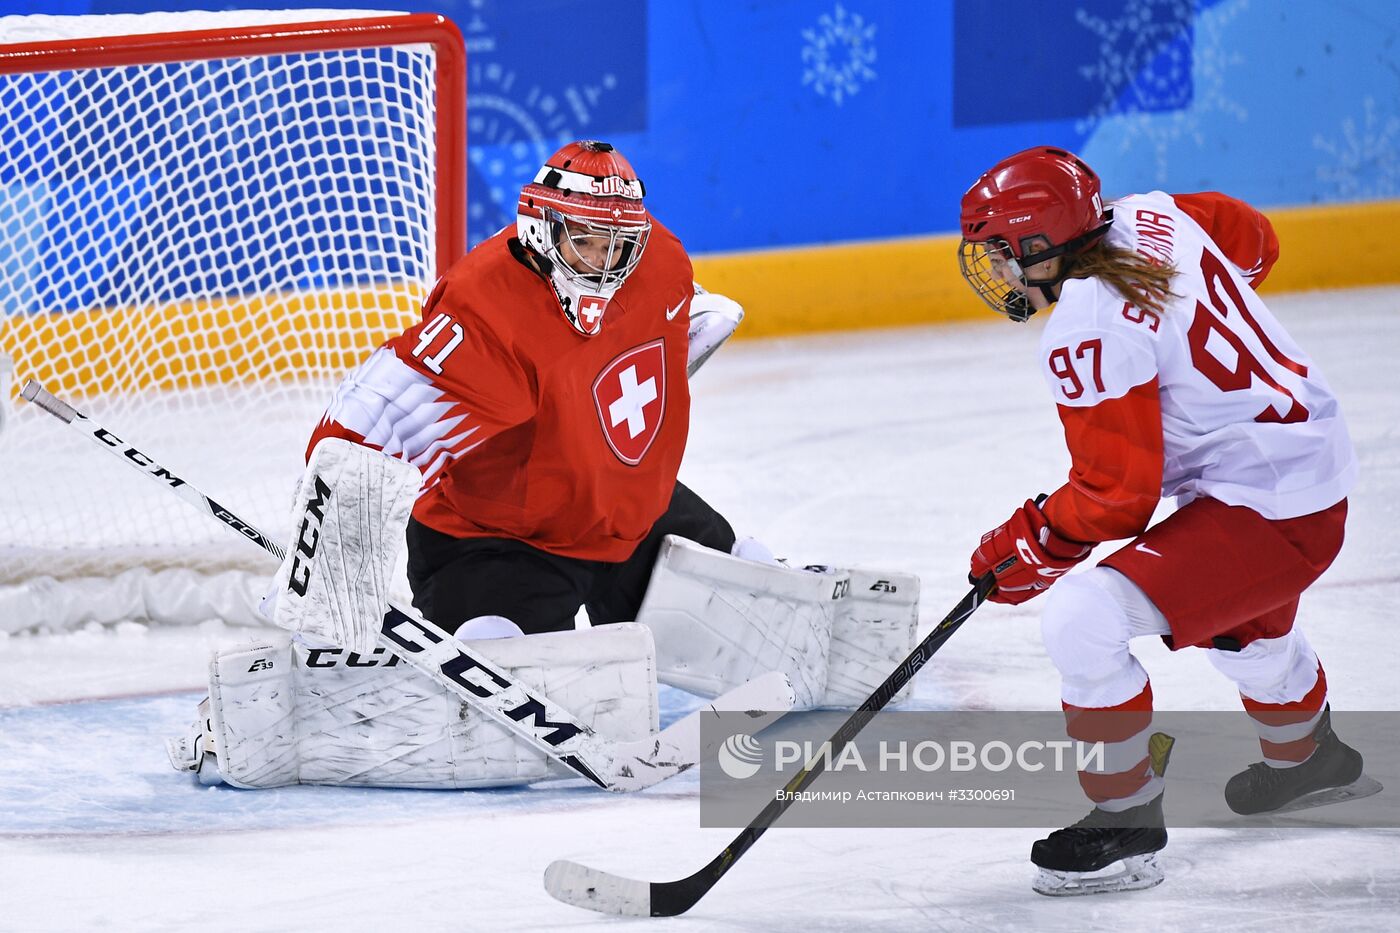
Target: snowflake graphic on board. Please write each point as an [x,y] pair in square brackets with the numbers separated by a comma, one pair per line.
[514,123]
[1147,65]
[1153,64]
[838,54]
[1365,160]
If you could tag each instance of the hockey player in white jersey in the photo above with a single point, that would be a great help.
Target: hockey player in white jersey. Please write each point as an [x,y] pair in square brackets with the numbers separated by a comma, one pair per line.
[1172,378]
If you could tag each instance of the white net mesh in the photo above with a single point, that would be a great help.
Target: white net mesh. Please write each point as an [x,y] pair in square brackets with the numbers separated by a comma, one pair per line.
[193,253]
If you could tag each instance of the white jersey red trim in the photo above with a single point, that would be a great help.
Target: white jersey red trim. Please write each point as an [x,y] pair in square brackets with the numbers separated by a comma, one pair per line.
[1213,387]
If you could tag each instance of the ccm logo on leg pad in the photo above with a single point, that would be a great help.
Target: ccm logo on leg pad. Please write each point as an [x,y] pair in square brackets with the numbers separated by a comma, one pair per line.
[300,577]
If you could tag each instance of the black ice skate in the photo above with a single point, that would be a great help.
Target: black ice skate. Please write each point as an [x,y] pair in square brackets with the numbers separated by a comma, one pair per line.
[1105,851]
[1330,775]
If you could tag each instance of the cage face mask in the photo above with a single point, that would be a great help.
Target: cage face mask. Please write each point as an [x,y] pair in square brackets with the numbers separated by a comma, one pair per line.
[584,220]
[1027,209]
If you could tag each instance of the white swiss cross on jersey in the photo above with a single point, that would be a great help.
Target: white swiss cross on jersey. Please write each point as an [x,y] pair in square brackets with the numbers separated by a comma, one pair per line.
[630,396]
[590,313]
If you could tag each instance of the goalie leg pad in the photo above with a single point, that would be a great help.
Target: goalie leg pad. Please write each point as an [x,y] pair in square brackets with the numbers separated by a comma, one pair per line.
[875,627]
[351,511]
[287,714]
[250,715]
[721,620]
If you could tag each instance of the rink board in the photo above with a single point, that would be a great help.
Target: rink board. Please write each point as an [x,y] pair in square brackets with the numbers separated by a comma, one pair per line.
[915,280]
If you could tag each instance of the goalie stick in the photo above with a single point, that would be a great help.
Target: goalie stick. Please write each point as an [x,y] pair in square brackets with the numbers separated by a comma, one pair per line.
[617,766]
[607,893]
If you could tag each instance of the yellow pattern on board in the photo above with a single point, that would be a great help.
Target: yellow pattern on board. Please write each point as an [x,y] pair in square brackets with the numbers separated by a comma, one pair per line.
[206,342]
[888,283]
[894,283]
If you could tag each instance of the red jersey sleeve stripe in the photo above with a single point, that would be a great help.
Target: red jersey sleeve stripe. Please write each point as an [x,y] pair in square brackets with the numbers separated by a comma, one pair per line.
[1115,480]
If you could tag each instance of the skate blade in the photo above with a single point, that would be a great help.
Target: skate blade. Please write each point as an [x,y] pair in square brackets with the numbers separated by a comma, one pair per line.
[1363,786]
[182,754]
[208,771]
[1129,874]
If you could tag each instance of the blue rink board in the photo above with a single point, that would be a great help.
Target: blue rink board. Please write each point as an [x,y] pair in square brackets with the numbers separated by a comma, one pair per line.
[99,768]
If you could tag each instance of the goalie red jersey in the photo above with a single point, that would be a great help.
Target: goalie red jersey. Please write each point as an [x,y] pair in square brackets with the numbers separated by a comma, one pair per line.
[525,427]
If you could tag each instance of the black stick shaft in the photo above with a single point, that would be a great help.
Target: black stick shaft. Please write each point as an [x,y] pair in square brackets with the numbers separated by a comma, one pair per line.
[670,898]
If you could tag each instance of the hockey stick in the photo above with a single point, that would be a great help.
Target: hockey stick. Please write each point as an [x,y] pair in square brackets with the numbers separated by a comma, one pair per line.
[607,893]
[619,766]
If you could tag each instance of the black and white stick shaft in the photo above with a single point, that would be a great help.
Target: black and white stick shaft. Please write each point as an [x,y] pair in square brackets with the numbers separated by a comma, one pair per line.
[597,890]
[35,393]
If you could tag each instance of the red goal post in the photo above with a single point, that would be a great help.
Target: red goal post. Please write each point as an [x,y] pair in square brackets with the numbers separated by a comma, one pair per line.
[205,220]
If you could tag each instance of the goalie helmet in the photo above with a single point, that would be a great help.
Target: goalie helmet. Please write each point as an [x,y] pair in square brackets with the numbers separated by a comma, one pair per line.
[1025,210]
[584,220]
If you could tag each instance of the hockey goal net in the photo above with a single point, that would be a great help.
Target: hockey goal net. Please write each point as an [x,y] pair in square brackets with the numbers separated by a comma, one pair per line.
[206,219]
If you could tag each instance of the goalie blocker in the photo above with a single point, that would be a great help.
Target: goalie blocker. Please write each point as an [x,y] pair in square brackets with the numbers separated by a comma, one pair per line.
[352,506]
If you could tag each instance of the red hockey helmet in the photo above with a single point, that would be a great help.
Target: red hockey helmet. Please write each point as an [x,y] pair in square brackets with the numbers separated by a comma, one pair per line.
[1028,208]
[584,215]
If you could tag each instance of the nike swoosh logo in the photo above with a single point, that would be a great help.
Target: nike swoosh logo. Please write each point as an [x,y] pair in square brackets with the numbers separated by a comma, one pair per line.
[672,312]
[1147,550]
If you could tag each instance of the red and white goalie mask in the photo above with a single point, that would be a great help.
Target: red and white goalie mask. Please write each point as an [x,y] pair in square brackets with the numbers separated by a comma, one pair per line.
[583,217]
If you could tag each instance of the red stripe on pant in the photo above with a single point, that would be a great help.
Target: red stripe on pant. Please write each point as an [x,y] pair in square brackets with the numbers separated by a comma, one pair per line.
[1288,714]
[1112,724]
[1267,715]
[1295,751]
[1104,787]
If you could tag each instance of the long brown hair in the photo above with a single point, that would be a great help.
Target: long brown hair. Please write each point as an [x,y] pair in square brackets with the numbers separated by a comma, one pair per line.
[1144,282]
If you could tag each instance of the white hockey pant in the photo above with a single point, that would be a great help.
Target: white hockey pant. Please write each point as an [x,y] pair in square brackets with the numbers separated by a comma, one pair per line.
[1090,617]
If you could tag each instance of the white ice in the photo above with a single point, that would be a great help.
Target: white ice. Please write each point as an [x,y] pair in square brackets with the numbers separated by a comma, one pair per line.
[889,449]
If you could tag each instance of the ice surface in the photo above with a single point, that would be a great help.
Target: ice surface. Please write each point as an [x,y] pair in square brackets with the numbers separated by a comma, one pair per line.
[891,449]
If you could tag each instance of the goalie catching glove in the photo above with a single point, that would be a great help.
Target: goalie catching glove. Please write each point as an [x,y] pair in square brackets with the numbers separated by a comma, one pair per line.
[348,526]
[713,318]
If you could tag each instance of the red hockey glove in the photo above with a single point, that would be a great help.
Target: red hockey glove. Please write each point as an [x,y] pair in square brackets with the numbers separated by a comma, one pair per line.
[1025,556]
